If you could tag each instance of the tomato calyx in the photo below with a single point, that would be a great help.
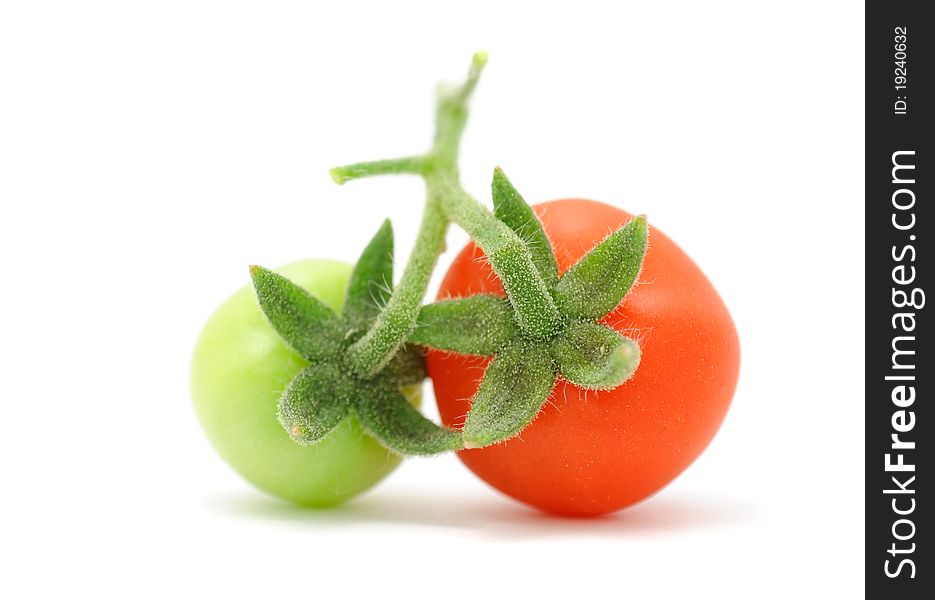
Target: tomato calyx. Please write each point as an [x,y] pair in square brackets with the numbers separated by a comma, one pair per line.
[524,369]
[326,392]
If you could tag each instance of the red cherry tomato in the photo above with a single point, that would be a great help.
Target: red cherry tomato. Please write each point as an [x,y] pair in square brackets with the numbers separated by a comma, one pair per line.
[590,452]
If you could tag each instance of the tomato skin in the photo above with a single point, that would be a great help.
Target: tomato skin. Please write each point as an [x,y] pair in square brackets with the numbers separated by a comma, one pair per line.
[240,368]
[589,452]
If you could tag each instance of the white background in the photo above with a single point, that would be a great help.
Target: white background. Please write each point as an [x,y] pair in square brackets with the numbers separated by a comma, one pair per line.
[150,151]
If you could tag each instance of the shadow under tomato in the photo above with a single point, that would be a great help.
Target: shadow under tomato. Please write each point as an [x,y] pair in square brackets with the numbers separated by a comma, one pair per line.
[496,517]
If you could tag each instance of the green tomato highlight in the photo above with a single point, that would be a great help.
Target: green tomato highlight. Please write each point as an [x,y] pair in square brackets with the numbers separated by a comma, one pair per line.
[240,368]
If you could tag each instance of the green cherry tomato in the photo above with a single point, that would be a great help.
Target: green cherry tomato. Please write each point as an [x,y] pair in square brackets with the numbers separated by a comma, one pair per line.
[239,369]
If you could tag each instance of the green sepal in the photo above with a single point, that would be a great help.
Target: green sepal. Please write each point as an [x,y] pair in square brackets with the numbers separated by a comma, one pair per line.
[479,325]
[315,402]
[398,426]
[599,281]
[516,385]
[511,209]
[407,367]
[371,281]
[594,356]
[302,320]
[535,311]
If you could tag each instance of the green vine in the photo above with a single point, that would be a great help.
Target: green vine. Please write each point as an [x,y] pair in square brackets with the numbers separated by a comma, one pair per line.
[545,328]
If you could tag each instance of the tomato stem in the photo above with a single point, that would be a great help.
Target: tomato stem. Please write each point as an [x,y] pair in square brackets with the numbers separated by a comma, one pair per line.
[447,201]
[396,321]
[412,165]
[368,355]
[536,312]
